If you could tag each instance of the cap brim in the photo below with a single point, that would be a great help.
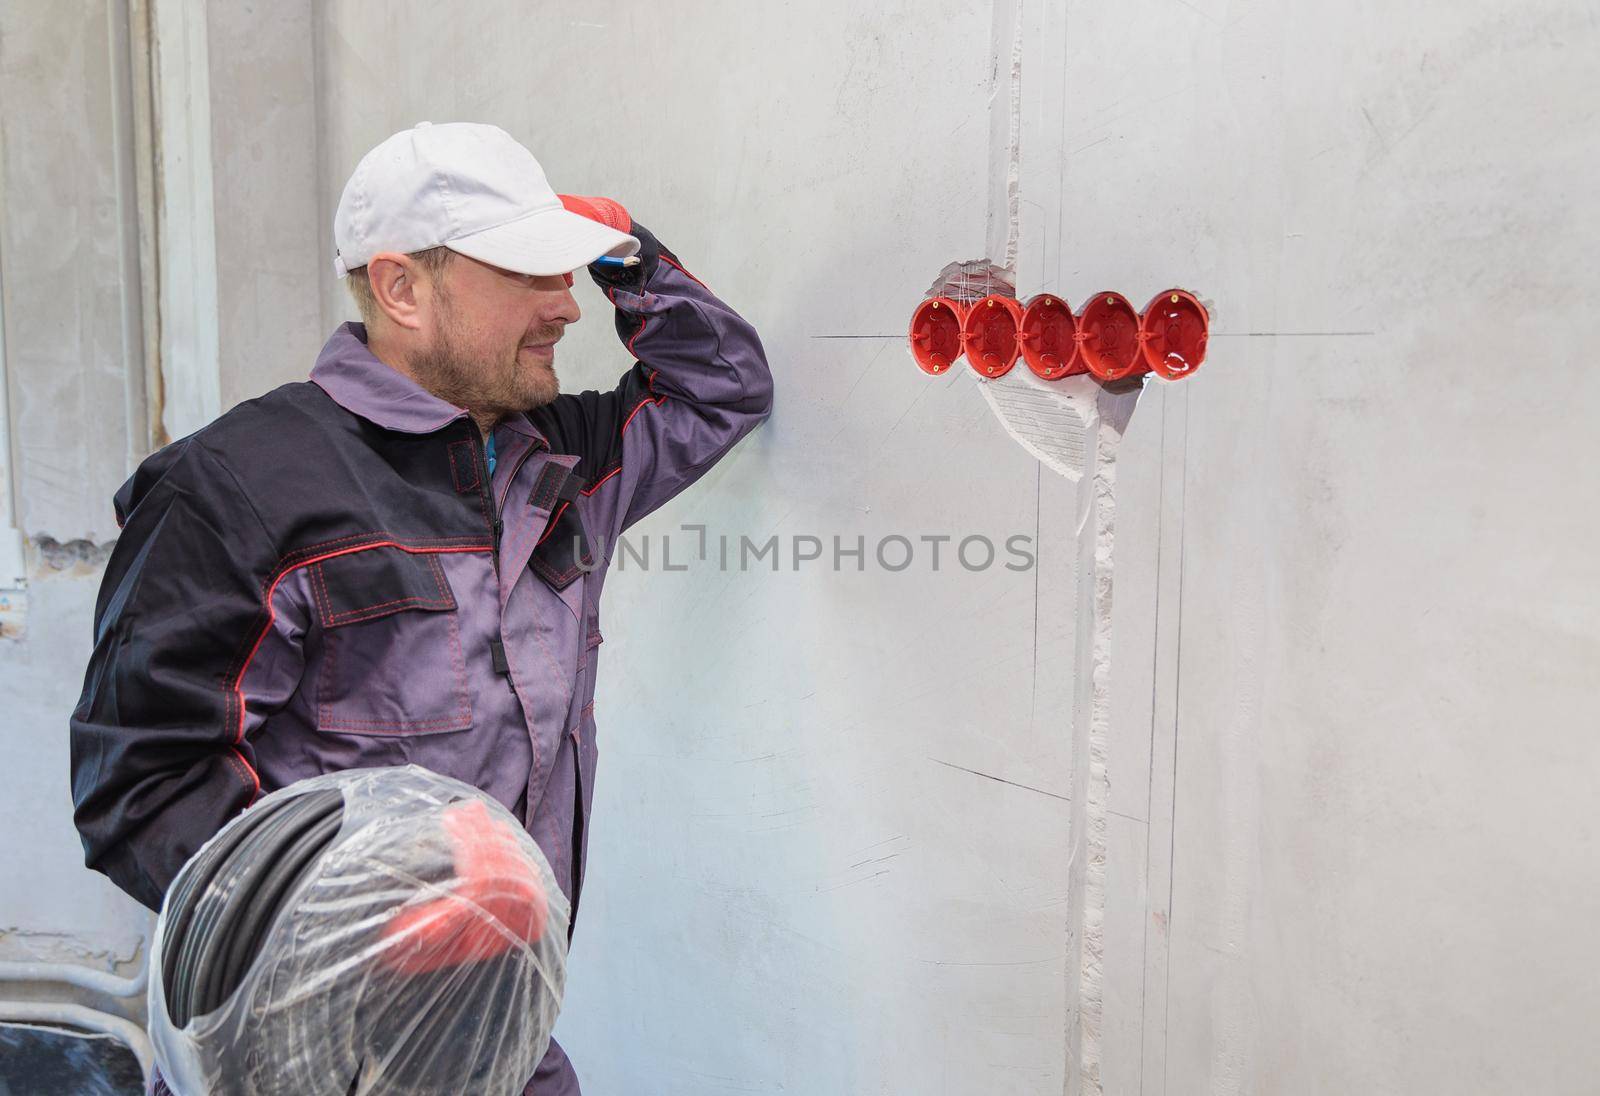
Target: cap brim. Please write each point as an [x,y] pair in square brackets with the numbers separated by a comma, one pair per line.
[551,241]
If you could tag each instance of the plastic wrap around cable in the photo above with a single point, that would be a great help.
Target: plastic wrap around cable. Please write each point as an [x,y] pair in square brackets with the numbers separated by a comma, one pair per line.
[369,931]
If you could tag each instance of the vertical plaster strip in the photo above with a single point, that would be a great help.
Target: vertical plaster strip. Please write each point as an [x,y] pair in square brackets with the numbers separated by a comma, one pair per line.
[123,39]
[1005,134]
[1092,746]
[186,220]
[13,567]
[141,44]
[1081,983]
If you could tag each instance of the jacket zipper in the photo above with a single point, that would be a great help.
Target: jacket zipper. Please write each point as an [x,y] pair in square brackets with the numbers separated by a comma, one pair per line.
[497,649]
[487,494]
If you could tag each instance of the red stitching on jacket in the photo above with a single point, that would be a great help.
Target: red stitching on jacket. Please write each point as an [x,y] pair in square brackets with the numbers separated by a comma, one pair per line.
[555,517]
[460,719]
[241,768]
[642,404]
[235,693]
[650,383]
[445,593]
[461,665]
[382,609]
[331,619]
[319,588]
[575,732]
[592,488]
[595,486]
[644,322]
[374,538]
[330,663]
[422,726]
[679,267]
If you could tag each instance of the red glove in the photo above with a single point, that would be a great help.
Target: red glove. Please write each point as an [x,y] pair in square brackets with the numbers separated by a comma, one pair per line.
[604,210]
[497,900]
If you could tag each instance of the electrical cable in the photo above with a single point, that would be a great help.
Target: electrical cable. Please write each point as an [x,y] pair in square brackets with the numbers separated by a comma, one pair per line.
[241,883]
[367,931]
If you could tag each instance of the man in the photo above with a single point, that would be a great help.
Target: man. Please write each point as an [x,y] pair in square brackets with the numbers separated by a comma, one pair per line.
[401,560]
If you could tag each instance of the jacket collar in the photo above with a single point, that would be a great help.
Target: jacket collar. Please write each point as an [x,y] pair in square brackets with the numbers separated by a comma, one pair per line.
[357,381]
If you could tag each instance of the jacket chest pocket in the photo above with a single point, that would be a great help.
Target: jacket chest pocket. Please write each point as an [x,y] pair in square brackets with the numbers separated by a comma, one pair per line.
[391,645]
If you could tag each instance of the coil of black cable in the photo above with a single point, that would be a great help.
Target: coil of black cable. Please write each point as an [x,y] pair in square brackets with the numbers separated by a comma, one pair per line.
[336,938]
[226,905]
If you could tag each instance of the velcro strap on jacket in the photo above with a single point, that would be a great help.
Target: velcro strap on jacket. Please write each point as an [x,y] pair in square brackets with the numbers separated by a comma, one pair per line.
[569,489]
[464,466]
[556,484]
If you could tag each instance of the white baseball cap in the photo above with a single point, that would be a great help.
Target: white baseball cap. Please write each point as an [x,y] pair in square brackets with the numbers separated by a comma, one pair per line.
[475,190]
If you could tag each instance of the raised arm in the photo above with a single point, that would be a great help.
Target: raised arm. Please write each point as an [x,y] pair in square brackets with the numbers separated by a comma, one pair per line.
[699,384]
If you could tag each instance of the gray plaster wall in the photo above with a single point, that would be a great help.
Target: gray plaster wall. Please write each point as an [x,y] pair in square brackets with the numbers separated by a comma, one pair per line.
[52,908]
[268,194]
[1358,613]
[77,418]
[73,355]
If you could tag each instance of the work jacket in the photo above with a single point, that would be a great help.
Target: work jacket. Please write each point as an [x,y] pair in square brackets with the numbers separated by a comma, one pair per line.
[329,577]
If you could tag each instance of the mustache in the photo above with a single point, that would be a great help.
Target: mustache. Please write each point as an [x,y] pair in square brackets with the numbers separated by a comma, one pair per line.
[544,335]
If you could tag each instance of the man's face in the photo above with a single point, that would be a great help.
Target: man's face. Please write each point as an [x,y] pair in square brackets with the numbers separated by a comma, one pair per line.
[494,332]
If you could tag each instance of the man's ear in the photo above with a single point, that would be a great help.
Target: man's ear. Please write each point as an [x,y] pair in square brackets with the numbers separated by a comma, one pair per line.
[396,289]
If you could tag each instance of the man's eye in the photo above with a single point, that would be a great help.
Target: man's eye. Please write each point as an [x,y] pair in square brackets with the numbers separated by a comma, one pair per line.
[524,280]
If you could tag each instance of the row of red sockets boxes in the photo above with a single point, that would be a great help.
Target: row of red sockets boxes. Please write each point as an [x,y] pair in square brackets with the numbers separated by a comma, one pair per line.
[1107,340]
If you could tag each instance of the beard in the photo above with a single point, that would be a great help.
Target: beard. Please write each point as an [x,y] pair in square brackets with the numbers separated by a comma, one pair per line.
[485,380]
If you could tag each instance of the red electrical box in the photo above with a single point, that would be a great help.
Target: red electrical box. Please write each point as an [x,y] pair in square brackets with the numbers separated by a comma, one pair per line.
[935,334]
[1173,334]
[989,335]
[1110,329]
[1049,338]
